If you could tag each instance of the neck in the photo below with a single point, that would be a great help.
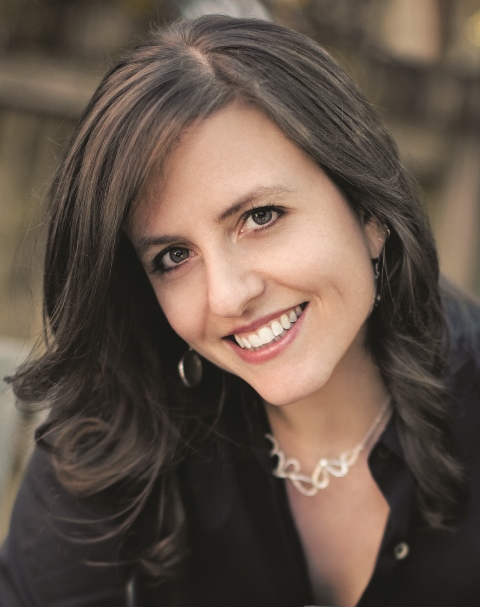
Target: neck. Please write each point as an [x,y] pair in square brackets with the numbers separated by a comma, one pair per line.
[336,417]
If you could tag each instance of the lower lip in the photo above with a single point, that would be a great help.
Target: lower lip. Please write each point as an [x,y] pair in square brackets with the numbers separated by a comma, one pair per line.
[273,349]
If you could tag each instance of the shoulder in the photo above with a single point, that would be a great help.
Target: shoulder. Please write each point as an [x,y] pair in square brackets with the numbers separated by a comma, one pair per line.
[48,557]
[462,315]
[463,320]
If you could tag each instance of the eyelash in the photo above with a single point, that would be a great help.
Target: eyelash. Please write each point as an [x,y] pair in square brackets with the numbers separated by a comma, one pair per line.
[157,261]
[278,210]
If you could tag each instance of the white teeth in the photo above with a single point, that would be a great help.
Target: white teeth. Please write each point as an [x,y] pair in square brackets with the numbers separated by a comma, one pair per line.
[255,341]
[270,333]
[239,341]
[243,342]
[265,335]
[277,328]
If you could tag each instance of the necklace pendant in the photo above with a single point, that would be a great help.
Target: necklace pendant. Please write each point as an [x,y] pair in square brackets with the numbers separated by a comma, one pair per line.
[290,468]
[337,467]
[320,477]
[303,488]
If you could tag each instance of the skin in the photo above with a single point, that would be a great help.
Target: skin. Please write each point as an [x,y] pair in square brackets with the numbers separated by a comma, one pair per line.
[322,391]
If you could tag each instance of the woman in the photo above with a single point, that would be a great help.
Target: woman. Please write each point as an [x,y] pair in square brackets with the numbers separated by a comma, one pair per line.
[229,200]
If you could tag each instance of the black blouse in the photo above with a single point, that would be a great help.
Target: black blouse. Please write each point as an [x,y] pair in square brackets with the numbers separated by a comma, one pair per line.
[246,551]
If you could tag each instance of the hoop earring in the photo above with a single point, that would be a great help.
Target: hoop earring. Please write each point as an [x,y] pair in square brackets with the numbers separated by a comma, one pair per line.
[190,369]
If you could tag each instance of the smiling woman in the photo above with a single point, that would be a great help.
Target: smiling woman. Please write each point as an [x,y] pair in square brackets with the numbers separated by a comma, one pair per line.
[292,248]
[230,202]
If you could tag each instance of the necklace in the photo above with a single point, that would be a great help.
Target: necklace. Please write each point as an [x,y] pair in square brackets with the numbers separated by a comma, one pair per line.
[289,467]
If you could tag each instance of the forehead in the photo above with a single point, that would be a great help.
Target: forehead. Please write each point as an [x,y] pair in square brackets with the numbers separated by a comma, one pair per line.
[219,160]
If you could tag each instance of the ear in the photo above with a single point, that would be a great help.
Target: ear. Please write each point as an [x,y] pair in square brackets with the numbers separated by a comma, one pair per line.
[376,234]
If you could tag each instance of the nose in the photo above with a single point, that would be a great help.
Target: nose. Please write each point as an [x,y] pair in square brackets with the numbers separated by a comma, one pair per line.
[232,283]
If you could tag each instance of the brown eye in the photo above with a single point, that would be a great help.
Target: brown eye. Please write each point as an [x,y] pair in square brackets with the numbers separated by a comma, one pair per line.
[262,216]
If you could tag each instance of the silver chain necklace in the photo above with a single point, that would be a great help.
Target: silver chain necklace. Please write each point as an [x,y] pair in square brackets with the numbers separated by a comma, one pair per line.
[289,467]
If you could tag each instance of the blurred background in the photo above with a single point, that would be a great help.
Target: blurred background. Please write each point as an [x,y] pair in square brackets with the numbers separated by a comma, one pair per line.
[418,61]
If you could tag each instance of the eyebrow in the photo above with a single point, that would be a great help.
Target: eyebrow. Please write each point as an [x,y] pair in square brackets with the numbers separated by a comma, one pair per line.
[145,243]
[255,195]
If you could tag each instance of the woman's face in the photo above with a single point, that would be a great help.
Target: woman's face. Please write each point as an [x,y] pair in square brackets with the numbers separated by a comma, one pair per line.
[244,236]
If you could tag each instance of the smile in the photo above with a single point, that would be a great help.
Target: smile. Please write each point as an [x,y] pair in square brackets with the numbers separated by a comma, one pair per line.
[275,330]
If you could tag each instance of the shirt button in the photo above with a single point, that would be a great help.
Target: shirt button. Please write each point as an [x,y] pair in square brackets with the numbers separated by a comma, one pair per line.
[401,551]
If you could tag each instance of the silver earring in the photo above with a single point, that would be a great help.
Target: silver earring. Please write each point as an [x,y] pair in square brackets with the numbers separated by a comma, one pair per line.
[190,369]
[377,298]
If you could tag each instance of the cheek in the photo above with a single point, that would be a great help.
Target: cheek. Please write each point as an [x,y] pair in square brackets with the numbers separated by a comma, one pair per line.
[182,310]
[338,270]
[312,257]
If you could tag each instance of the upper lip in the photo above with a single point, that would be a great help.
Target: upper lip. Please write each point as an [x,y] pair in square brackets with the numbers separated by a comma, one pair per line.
[256,324]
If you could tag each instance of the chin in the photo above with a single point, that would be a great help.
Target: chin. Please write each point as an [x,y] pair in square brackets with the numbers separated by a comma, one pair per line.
[281,403]
[290,382]
[282,400]
[282,395]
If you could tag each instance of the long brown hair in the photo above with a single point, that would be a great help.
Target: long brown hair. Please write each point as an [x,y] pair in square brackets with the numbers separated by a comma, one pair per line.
[118,415]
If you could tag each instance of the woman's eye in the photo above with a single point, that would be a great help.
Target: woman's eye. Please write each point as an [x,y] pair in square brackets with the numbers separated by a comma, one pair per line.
[171,258]
[261,217]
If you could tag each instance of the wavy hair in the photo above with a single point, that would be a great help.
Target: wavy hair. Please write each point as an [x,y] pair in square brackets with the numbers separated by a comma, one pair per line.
[118,415]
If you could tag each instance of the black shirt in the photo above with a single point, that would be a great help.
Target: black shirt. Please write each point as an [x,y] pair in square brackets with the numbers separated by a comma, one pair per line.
[246,551]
